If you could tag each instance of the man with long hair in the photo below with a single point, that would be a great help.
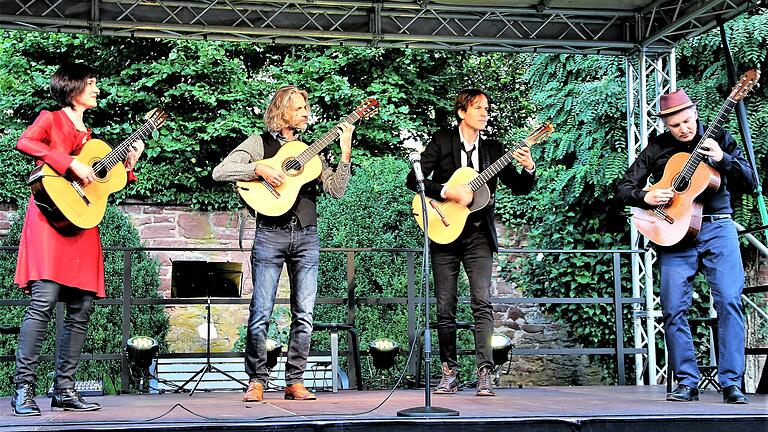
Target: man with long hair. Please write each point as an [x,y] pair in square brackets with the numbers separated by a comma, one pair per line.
[287,239]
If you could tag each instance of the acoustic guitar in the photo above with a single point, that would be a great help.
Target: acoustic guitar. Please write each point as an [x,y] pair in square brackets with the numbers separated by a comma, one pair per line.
[300,163]
[71,206]
[445,218]
[680,218]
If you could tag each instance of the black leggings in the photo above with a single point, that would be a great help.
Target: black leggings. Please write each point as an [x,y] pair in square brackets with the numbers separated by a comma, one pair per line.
[79,304]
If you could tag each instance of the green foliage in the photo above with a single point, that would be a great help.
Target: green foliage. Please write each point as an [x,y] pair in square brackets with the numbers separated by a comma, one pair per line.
[105,327]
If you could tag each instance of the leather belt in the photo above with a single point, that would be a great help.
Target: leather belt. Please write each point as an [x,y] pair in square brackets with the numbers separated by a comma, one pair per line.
[714,217]
[278,222]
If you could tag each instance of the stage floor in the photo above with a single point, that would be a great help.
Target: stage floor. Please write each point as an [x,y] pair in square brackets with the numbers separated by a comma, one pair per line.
[528,409]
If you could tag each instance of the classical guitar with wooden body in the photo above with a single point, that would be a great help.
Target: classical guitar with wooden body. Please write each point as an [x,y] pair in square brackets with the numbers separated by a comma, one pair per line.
[70,206]
[680,218]
[300,163]
[445,218]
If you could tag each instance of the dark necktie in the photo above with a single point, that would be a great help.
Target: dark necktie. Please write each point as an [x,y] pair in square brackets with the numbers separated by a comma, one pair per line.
[469,156]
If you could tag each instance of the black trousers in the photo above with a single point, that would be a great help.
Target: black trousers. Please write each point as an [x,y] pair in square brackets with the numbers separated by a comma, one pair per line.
[79,304]
[473,250]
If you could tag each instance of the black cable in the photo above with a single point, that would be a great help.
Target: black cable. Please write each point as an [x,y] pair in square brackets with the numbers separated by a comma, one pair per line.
[182,407]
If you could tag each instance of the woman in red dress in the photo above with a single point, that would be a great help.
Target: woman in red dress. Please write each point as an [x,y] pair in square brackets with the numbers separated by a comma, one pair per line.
[56,267]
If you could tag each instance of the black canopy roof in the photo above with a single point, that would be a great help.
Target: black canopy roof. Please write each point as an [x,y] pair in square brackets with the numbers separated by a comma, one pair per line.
[616,27]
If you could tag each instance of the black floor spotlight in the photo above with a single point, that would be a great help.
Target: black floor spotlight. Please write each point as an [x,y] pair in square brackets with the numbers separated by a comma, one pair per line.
[274,348]
[383,353]
[502,346]
[141,351]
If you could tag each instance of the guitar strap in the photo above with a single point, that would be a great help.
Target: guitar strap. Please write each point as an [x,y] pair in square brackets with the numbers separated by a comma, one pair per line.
[485,163]
[243,217]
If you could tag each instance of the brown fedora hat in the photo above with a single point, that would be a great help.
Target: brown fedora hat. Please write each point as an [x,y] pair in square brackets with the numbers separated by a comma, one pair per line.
[671,103]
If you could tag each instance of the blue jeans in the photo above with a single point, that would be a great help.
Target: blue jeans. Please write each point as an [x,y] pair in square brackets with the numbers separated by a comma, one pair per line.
[299,248]
[716,251]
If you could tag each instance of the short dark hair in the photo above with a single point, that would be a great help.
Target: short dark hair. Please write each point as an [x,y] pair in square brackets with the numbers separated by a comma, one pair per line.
[69,81]
[465,98]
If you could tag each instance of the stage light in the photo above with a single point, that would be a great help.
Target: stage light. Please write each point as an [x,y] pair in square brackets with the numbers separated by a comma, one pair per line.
[502,345]
[274,348]
[383,353]
[141,352]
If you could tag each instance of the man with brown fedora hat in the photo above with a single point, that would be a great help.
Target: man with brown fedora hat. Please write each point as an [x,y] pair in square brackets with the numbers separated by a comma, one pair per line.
[715,249]
[676,101]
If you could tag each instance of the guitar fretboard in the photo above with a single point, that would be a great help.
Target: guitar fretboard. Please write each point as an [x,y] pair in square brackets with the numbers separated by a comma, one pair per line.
[695,159]
[330,136]
[119,153]
[495,167]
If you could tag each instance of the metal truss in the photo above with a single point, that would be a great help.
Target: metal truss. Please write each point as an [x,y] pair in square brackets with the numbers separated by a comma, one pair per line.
[664,23]
[528,26]
[647,325]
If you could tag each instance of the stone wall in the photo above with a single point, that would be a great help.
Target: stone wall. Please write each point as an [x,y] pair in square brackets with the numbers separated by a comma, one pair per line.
[528,328]
[7,214]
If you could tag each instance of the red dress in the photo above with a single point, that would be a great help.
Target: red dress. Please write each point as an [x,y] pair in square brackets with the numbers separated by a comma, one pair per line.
[75,261]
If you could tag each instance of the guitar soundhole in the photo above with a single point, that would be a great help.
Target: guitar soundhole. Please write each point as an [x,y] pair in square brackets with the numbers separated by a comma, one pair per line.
[681,184]
[292,167]
[100,173]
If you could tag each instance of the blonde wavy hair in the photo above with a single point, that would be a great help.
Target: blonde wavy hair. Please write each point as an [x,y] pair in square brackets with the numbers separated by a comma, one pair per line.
[276,116]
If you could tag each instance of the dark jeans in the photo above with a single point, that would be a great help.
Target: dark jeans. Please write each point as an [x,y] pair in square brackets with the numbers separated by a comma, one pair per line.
[716,252]
[79,306]
[299,248]
[473,250]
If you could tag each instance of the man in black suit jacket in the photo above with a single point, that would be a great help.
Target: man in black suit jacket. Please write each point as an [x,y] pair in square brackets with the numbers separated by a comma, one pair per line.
[448,151]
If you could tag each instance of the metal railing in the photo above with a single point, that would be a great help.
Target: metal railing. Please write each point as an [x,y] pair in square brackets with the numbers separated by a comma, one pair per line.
[352,301]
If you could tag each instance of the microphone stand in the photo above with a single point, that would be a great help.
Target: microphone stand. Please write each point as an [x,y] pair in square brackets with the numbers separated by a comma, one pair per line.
[427,410]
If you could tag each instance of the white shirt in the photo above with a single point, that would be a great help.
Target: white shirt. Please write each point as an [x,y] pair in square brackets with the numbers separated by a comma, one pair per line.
[469,146]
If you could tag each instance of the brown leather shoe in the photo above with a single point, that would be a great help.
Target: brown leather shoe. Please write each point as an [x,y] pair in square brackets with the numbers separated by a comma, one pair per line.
[485,381]
[298,392]
[255,392]
[449,383]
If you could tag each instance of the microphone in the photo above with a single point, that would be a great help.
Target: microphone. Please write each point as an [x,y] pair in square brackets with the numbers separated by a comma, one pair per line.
[415,158]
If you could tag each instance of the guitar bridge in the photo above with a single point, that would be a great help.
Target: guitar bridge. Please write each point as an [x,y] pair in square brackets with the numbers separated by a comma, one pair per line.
[439,213]
[81,192]
[664,216]
[271,189]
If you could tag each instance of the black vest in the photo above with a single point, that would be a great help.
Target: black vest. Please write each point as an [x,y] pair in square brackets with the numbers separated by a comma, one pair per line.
[305,207]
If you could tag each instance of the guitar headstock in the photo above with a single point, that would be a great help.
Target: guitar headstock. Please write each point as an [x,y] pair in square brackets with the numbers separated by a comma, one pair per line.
[540,133]
[367,109]
[746,83]
[156,117]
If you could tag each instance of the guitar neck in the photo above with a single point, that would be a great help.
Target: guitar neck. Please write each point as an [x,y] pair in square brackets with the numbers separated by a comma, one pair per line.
[695,159]
[119,153]
[329,137]
[494,168]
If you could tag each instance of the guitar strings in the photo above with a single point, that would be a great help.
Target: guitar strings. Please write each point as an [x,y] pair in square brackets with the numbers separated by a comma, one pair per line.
[696,157]
[122,150]
[305,156]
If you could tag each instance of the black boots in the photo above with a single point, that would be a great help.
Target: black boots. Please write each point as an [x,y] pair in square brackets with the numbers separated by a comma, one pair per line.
[23,400]
[70,400]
